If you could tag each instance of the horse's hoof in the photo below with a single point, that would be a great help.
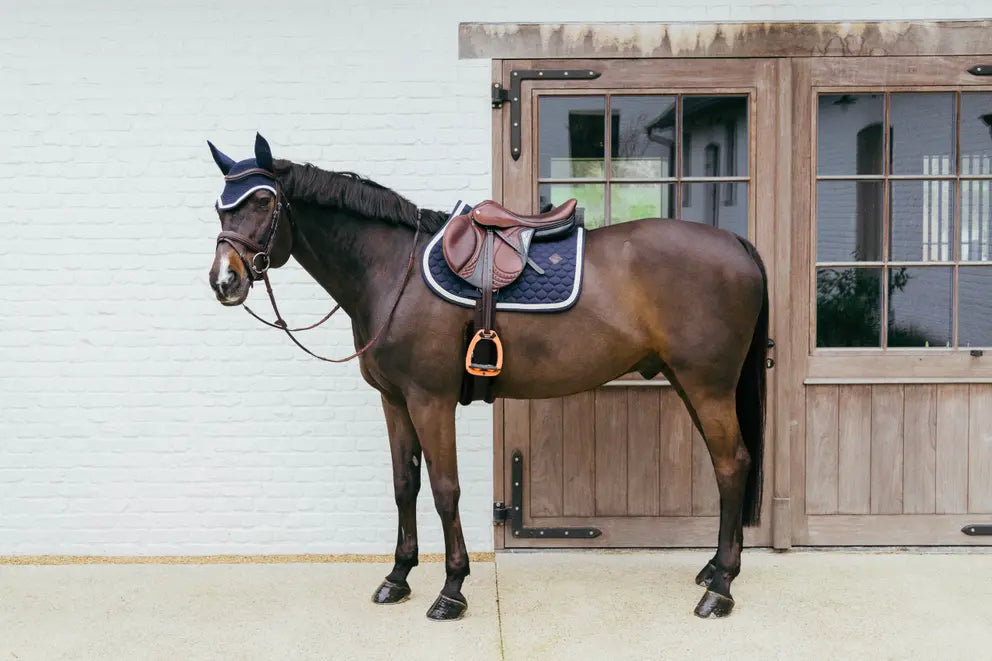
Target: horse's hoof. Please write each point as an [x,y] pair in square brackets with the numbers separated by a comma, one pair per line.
[391,593]
[446,608]
[714,604]
[705,575]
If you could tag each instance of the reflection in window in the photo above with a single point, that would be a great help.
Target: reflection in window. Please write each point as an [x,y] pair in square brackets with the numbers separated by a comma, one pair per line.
[848,307]
[894,193]
[920,313]
[643,145]
[620,157]
[572,136]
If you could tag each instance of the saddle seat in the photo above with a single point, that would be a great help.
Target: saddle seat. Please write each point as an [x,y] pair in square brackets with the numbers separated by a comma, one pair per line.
[492,214]
[488,248]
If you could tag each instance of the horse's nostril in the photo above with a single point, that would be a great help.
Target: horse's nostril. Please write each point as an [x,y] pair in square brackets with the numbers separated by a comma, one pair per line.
[227,283]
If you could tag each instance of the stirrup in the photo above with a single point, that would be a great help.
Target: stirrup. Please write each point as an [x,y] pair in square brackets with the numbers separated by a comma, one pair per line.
[477,369]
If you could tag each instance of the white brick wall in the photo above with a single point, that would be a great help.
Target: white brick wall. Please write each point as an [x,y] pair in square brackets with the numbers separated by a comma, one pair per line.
[138,415]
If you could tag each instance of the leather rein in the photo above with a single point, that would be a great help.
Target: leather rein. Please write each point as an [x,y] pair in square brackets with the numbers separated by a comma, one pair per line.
[258,268]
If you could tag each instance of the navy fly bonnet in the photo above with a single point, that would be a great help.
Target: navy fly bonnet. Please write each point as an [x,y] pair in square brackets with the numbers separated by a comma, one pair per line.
[257,174]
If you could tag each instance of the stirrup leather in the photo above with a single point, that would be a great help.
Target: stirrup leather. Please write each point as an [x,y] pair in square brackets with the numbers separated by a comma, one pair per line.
[478,369]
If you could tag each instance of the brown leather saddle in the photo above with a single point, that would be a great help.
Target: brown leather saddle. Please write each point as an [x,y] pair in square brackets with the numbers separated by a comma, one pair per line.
[488,248]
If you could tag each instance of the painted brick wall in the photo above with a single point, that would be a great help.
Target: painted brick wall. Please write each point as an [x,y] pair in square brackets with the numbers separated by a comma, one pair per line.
[138,415]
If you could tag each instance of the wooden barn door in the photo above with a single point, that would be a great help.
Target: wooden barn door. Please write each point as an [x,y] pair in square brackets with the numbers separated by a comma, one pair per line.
[892,302]
[693,139]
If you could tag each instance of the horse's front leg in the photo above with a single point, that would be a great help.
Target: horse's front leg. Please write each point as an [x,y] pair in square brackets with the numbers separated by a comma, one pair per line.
[405,450]
[434,420]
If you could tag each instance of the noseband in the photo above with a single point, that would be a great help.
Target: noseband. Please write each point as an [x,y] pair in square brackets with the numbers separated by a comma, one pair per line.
[258,270]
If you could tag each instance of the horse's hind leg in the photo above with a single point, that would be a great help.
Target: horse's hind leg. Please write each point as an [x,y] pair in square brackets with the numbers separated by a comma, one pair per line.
[718,419]
[405,450]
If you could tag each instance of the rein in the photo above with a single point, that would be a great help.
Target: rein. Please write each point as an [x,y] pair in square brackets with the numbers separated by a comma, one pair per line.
[261,272]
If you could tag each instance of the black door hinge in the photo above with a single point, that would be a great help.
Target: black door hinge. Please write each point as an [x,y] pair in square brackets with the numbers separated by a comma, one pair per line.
[500,95]
[981,70]
[512,96]
[500,513]
[975,529]
[515,514]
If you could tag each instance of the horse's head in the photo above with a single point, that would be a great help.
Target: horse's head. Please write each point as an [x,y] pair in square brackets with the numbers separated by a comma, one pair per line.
[255,225]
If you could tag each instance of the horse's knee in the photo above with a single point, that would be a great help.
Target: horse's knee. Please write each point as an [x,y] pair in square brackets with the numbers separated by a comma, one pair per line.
[406,484]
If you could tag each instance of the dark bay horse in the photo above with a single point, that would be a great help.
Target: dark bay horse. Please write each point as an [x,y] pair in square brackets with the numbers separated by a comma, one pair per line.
[658,296]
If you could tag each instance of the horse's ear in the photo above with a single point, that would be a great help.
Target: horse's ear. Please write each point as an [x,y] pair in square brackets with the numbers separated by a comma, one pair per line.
[225,163]
[263,154]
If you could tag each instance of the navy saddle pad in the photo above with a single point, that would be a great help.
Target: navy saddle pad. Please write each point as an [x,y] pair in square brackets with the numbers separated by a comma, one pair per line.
[555,291]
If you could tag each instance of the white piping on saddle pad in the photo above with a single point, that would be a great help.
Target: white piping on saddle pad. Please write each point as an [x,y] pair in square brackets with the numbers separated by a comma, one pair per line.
[520,307]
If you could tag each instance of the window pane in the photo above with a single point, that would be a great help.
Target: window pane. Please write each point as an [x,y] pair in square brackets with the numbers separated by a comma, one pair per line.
[976,221]
[644,141]
[849,221]
[720,204]
[633,201]
[920,307]
[976,134]
[589,196]
[922,130]
[849,134]
[572,135]
[714,122]
[974,309]
[922,221]
[849,307]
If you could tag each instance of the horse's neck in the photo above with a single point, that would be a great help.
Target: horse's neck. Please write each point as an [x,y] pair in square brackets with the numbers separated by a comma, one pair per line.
[357,260]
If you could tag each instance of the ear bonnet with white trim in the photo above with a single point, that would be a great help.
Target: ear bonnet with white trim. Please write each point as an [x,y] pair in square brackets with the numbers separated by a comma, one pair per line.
[236,189]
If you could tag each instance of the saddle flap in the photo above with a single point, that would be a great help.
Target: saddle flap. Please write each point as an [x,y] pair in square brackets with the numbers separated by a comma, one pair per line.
[510,254]
[462,246]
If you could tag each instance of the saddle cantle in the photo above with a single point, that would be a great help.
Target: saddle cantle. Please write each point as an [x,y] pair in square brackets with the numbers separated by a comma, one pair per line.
[488,248]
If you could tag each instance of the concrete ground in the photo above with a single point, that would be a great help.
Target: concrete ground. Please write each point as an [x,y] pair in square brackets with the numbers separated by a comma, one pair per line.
[527,606]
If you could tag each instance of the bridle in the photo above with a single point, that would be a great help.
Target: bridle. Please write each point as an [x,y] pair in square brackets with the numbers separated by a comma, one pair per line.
[258,269]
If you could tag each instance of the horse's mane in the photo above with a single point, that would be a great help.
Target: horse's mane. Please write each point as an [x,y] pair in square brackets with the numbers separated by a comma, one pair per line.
[355,193]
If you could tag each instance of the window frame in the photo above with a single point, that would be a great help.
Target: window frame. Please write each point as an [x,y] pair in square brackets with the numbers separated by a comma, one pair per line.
[810,78]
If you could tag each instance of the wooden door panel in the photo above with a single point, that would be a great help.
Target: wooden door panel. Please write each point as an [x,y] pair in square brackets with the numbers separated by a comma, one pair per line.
[675,482]
[953,404]
[854,455]
[904,449]
[579,454]
[611,451]
[643,442]
[546,461]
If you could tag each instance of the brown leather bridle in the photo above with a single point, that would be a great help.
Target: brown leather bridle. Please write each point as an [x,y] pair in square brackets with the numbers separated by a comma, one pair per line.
[259,269]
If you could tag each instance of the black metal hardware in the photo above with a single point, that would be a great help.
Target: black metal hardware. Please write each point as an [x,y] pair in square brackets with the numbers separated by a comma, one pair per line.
[500,513]
[771,343]
[975,529]
[517,76]
[981,70]
[770,362]
[516,514]
[500,95]
[977,353]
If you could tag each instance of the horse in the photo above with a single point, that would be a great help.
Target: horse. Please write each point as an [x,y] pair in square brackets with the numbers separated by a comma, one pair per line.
[665,296]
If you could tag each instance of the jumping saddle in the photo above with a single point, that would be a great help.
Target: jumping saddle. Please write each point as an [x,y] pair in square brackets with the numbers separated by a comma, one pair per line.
[488,248]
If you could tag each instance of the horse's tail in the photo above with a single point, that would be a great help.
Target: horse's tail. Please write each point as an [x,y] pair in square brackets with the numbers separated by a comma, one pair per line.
[751,399]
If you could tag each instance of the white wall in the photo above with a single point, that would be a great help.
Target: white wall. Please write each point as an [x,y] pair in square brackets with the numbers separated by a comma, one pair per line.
[138,415]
